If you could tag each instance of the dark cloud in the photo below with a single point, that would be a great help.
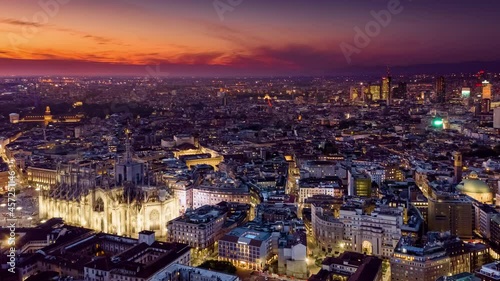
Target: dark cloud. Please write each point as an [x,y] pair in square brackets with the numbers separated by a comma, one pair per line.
[251,67]
[99,39]
[19,22]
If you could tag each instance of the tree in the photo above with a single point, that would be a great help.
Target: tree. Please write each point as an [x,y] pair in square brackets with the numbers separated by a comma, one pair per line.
[221,266]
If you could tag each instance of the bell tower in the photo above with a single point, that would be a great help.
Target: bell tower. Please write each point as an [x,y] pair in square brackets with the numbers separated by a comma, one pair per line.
[457,156]
[47,118]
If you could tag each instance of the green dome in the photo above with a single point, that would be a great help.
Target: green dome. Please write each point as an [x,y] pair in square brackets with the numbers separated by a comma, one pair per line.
[473,186]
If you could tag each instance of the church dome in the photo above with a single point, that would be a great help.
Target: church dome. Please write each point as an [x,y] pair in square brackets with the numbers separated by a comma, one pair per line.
[473,185]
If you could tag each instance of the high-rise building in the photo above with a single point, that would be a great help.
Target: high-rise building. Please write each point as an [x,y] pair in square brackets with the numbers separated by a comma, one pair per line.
[400,91]
[386,90]
[375,92]
[365,92]
[441,89]
[354,93]
[486,93]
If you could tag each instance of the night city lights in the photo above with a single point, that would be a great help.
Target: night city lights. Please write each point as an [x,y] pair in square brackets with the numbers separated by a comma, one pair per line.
[249,140]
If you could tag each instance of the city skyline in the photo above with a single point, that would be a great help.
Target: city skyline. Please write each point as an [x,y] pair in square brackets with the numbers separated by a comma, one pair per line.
[226,38]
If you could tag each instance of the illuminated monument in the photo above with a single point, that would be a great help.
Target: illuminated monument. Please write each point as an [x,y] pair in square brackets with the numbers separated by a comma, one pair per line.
[46,118]
[124,203]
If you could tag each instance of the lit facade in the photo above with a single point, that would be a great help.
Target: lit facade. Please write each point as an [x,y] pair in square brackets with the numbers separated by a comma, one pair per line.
[486,93]
[374,234]
[246,248]
[102,204]
[412,263]
[327,231]
[393,173]
[110,210]
[200,228]
[212,195]
[321,189]
[375,92]
[41,176]
[386,89]
[359,184]
[46,118]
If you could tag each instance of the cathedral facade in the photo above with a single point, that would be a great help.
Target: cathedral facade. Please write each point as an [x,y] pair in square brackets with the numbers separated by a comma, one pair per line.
[123,205]
[110,211]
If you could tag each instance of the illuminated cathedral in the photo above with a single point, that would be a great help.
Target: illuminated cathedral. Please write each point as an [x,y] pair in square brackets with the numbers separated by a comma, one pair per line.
[124,203]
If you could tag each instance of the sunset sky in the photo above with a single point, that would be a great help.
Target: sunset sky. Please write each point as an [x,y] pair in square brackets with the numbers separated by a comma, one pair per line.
[256,37]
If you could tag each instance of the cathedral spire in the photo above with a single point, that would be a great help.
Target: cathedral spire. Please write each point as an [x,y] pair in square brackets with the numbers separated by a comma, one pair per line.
[128,152]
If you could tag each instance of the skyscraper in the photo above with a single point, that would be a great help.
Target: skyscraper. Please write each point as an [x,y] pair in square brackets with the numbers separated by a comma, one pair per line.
[386,90]
[354,93]
[400,91]
[375,92]
[486,94]
[441,90]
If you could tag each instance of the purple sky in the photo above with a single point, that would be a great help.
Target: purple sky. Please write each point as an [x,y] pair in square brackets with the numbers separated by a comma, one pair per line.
[254,37]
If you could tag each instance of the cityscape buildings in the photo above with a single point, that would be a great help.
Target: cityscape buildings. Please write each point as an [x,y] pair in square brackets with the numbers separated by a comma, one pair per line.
[249,141]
